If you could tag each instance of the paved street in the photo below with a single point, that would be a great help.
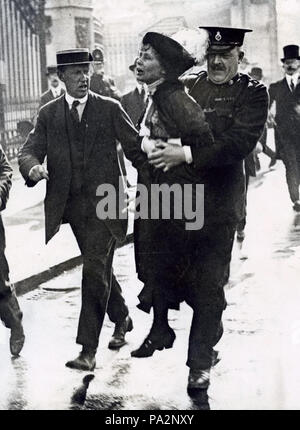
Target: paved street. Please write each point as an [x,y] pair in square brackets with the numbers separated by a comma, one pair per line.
[260,347]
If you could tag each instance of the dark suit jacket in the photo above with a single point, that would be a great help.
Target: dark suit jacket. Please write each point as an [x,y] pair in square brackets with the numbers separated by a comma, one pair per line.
[107,123]
[47,97]
[134,105]
[287,118]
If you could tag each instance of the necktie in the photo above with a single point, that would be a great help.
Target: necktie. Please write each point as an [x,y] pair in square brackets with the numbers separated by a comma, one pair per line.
[292,85]
[143,94]
[74,112]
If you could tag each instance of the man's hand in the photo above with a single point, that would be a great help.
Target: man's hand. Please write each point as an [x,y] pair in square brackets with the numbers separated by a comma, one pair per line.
[166,155]
[38,172]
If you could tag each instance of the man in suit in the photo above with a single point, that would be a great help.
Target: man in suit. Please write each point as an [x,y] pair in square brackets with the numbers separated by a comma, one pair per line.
[78,134]
[286,94]
[134,102]
[235,107]
[55,88]
[10,312]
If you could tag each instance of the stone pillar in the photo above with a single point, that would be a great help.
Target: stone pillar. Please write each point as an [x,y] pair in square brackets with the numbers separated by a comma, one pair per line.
[71,26]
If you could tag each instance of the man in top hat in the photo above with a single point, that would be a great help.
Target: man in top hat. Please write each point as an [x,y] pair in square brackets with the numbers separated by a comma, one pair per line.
[286,94]
[78,134]
[100,83]
[252,163]
[55,88]
[236,109]
[134,101]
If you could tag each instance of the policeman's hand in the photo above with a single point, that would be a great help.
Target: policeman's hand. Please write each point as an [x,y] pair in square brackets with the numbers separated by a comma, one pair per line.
[38,172]
[165,156]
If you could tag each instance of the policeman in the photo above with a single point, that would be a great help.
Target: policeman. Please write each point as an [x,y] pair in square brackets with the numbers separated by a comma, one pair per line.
[236,108]
[100,83]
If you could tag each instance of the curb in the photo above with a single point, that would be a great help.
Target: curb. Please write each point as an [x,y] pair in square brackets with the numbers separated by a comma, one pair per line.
[34,281]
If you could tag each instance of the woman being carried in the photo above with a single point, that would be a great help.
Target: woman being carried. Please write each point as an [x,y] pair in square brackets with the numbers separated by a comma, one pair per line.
[173,125]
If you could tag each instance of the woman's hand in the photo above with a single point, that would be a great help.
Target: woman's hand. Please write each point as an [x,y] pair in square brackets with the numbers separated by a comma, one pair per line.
[166,155]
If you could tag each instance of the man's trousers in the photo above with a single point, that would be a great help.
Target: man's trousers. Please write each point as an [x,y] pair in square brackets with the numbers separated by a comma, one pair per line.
[101,292]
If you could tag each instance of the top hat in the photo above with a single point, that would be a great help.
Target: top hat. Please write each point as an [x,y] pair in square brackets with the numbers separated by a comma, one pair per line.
[224,38]
[51,69]
[171,52]
[257,72]
[73,56]
[290,52]
[98,55]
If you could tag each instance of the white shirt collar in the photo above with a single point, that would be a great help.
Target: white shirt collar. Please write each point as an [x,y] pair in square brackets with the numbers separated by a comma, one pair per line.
[293,78]
[139,87]
[56,91]
[70,99]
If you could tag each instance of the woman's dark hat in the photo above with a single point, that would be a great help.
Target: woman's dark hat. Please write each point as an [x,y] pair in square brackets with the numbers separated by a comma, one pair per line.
[290,52]
[133,66]
[222,39]
[73,56]
[171,52]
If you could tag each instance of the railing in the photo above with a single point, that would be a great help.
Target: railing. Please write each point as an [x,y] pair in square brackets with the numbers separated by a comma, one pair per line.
[20,68]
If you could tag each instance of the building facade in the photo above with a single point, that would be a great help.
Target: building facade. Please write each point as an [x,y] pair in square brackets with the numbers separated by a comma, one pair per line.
[21,61]
[71,26]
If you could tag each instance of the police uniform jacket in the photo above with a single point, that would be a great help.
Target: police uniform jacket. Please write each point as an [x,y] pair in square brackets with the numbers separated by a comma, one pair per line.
[236,112]
[106,124]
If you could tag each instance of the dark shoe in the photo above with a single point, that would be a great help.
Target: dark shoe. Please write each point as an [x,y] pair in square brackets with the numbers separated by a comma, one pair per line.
[198,379]
[150,345]
[296,206]
[17,339]
[272,162]
[118,337]
[85,361]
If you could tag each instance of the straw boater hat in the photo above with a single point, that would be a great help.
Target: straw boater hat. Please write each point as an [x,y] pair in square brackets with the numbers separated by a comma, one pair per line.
[73,56]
